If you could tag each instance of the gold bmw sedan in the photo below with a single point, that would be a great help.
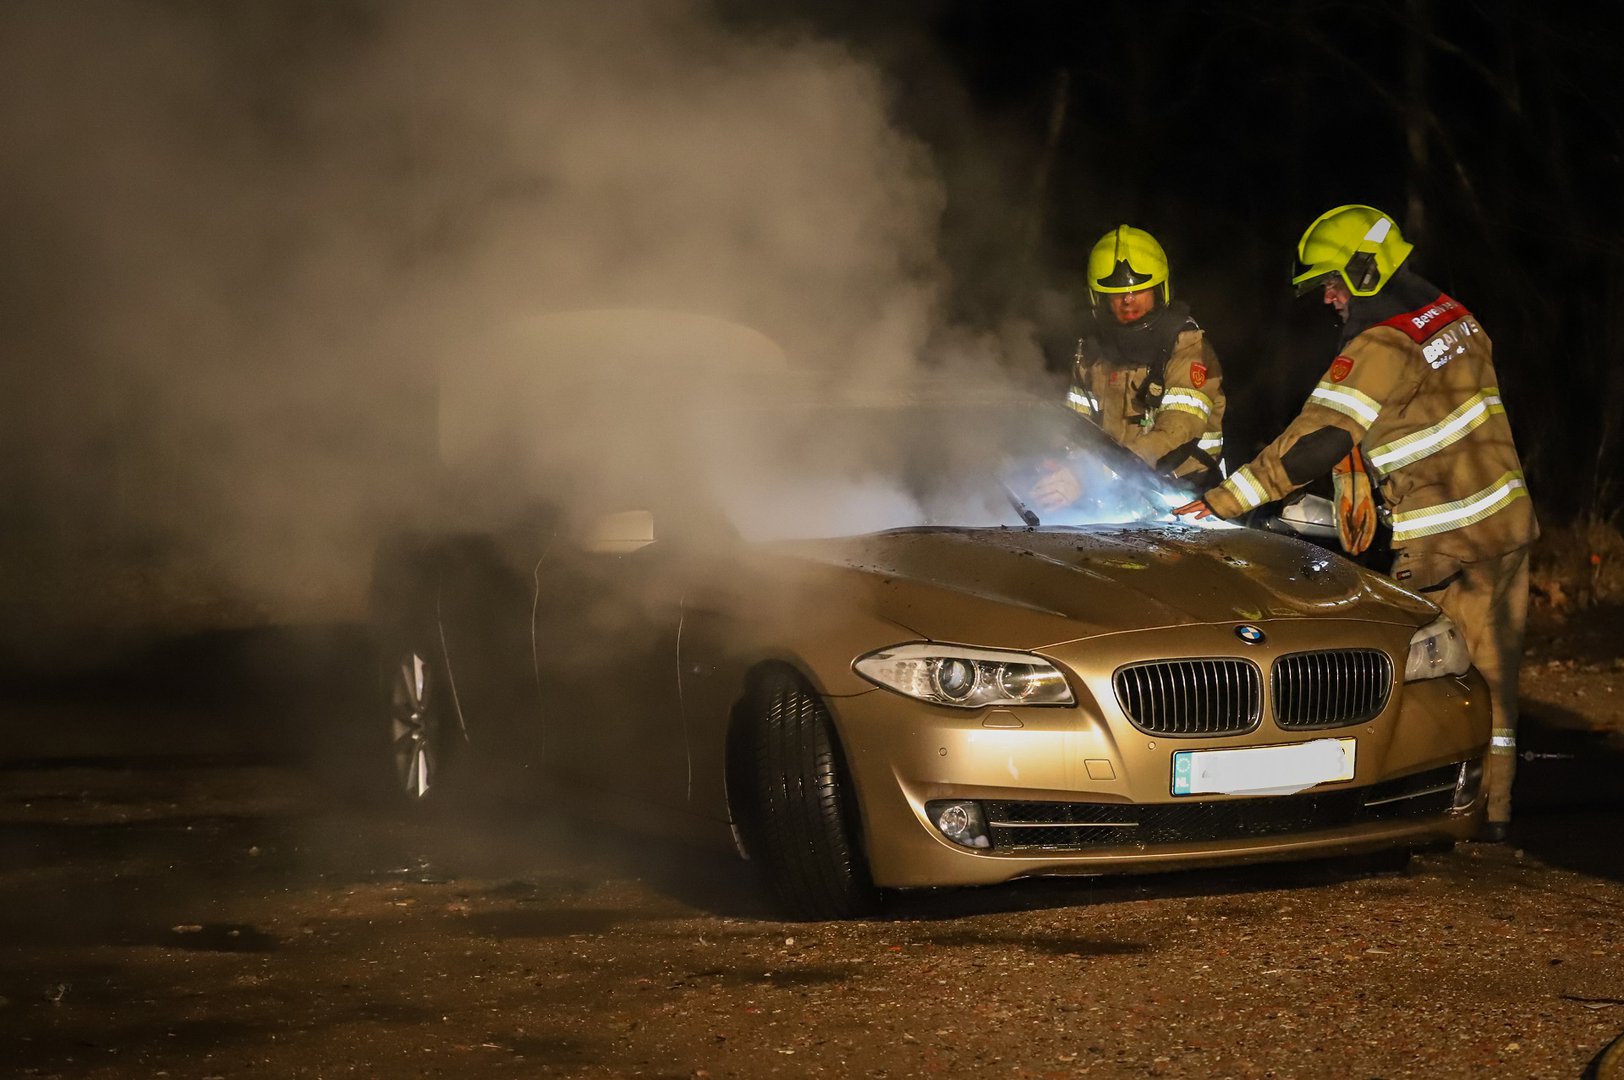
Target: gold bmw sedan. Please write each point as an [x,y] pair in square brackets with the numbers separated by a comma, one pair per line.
[843,638]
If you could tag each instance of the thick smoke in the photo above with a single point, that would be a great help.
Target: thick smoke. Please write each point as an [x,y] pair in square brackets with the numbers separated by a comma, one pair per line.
[243,241]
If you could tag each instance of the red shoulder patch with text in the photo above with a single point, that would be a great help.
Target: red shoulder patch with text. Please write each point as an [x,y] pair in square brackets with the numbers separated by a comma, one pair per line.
[1198,374]
[1424,322]
[1340,368]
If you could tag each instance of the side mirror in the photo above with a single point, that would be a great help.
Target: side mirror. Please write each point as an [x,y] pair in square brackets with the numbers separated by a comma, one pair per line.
[619,533]
[1310,515]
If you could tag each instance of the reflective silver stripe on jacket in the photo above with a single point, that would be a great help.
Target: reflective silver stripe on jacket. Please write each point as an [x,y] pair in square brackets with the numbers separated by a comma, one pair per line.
[1446,432]
[1189,401]
[1414,524]
[1349,402]
[1244,486]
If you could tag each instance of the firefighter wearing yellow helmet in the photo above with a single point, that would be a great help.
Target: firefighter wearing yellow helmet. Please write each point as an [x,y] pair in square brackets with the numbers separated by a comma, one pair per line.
[1148,376]
[1413,386]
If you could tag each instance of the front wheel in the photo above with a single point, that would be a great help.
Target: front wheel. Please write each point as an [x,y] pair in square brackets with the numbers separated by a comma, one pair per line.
[799,811]
[420,725]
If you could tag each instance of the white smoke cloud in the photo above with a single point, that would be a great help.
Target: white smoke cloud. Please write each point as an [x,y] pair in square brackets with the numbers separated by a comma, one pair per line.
[243,238]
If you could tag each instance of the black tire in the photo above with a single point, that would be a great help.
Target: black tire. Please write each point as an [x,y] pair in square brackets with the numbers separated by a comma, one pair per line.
[799,811]
[419,757]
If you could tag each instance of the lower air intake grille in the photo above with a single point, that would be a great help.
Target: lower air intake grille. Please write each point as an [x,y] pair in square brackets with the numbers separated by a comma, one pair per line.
[1190,697]
[1332,688]
[1017,826]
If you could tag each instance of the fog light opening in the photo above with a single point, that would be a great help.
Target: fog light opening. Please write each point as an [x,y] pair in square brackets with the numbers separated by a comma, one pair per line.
[961,821]
[1468,784]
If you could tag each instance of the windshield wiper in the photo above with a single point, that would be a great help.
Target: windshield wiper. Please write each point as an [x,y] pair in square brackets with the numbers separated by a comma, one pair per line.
[1027,515]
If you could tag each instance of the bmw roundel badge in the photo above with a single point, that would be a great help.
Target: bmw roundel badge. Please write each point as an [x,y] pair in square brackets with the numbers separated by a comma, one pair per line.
[1249,634]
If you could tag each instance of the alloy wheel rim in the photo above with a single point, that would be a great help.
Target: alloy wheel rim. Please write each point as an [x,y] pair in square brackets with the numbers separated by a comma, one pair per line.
[413,727]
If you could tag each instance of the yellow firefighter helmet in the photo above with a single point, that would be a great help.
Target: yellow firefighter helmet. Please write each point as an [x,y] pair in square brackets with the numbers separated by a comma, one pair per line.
[1126,260]
[1359,243]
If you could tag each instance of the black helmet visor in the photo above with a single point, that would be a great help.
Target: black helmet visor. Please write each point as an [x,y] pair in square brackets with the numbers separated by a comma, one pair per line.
[1123,277]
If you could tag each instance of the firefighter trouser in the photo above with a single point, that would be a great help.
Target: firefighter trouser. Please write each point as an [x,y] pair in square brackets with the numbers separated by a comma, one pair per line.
[1488,600]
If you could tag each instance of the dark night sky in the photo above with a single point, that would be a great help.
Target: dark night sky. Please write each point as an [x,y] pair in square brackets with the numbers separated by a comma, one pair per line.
[1226,128]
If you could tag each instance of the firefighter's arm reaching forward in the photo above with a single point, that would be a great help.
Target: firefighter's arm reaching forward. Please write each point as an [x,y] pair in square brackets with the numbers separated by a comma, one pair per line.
[1362,381]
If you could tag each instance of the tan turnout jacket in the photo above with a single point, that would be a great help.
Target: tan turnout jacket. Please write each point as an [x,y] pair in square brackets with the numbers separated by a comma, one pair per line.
[1420,396]
[1187,408]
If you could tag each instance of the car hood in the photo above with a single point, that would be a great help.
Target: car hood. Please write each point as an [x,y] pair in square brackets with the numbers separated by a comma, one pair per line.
[1029,588]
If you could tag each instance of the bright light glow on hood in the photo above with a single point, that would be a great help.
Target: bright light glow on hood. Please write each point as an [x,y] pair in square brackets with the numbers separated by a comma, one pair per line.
[812,471]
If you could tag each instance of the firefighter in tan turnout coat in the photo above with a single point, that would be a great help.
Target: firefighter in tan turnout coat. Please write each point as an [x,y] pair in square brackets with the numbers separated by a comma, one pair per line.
[1414,387]
[1148,378]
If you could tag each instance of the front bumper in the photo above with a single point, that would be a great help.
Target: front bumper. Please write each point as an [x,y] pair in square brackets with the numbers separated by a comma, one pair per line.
[1105,787]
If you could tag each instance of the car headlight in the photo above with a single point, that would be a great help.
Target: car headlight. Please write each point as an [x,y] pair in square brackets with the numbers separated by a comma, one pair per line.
[1437,649]
[966,677]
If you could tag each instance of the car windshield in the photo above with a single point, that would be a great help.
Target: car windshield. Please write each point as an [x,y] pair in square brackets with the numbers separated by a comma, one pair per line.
[813,471]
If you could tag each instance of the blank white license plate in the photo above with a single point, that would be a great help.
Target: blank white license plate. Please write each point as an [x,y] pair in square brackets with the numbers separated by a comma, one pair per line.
[1263,770]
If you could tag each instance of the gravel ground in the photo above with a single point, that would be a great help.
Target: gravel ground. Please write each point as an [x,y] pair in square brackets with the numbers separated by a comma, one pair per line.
[1573,672]
[182,895]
